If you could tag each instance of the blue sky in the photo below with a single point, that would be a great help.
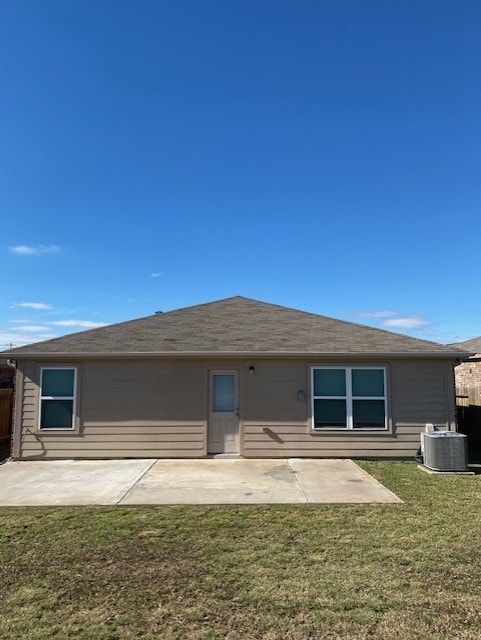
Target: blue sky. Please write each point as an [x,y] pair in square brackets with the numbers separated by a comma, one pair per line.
[323,155]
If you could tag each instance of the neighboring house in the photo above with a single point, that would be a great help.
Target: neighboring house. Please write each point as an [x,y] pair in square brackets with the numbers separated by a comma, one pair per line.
[231,376]
[468,373]
[468,392]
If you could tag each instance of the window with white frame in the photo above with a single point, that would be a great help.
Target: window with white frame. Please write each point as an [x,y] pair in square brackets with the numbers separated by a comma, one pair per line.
[349,398]
[57,397]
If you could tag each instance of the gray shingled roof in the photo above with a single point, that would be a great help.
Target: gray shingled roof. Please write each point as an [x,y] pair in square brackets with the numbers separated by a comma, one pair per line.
[473,345]
[235,325]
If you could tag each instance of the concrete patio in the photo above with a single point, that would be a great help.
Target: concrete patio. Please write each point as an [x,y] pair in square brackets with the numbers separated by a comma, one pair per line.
[206,481]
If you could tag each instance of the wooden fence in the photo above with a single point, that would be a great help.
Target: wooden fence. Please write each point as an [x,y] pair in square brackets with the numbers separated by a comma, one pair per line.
[6,403]
[468,406]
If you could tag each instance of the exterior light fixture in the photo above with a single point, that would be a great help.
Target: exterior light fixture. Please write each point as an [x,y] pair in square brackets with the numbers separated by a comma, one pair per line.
[252,369]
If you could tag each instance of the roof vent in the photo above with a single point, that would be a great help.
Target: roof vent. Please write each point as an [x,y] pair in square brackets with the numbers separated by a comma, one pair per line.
[157,312]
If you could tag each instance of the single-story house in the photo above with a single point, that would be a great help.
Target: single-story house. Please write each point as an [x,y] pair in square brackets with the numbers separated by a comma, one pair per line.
[231,376]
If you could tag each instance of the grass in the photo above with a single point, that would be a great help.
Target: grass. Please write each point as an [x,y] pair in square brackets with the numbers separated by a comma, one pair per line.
[408,571]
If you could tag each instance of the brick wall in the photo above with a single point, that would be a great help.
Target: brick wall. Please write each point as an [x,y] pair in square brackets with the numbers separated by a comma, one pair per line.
[469,373]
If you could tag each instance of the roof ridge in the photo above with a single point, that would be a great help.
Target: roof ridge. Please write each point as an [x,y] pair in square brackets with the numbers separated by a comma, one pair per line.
[472,343]
[347,322]
[123,322]
[206,304]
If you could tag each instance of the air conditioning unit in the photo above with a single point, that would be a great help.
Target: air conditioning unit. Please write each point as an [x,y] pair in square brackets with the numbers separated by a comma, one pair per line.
[444,450]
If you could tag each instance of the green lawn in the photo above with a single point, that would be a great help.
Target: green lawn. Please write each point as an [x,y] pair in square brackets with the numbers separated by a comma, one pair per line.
[251,572]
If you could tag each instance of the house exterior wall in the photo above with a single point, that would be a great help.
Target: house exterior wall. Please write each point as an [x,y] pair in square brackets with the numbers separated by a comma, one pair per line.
[159,408]
[469,373]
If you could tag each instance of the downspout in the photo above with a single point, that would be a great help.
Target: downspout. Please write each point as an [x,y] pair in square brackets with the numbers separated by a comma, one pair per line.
[12,365]
[15,442]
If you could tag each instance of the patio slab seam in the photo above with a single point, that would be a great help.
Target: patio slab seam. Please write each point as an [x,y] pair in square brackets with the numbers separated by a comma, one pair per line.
[298,479]
[136,480]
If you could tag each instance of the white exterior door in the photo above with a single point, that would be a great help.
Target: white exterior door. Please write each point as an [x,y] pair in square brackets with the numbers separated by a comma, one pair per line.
[223,412]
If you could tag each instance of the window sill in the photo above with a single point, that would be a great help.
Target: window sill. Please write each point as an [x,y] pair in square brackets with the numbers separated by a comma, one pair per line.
[317,432]
[57,431]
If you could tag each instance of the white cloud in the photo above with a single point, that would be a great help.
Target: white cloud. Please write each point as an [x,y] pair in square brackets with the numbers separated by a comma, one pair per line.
[9,340]
[83,324]
[408,322]
[377,314]
[34,250]
[27,333]
[395,319]
[156,275]
[31,305]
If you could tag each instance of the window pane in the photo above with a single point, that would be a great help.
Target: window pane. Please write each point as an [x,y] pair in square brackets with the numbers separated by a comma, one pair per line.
[329,382]
[368,414]
[56,414]
[57,382]
[329,413]
[368,382]
[224,396]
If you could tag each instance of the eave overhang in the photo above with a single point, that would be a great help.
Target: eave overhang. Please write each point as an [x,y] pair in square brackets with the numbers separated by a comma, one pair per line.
[312,355]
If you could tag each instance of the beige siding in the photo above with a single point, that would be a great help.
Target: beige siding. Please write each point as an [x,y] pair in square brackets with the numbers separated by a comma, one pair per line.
[158,408]
[270,393]
[128,408]
[30,397]
[419,392]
